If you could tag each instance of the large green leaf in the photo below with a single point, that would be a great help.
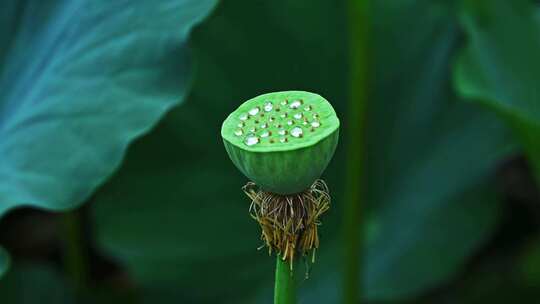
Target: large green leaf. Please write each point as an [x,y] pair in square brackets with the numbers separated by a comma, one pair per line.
[500,67]
[80,80]
[9,17]
[175,216]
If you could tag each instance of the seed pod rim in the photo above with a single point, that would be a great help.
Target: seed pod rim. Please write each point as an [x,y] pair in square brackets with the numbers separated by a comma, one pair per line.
[327,115]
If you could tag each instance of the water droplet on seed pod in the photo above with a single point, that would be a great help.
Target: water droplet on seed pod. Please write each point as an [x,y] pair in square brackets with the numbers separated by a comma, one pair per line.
[254,111]
[243,117]
[241,125]
[251,140]
[264,125]
[298,116]
[265,134]
[238,132]
[297,132]
[283,140]
[315,124]
[284,102]
[295,104]
[282,132]
[290,122]
[308,108]
[268,106]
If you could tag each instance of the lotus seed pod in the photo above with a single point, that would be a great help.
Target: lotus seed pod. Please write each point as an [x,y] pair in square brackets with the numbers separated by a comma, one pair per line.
[282,141]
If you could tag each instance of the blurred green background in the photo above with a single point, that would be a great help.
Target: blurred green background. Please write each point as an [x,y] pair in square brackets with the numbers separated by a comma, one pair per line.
[110,111]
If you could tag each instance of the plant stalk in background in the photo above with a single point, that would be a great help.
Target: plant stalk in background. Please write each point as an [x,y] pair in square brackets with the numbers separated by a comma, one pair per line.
[75,254]
[353,212]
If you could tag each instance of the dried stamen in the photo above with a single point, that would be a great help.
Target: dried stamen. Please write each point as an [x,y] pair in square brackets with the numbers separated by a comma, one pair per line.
[289,223]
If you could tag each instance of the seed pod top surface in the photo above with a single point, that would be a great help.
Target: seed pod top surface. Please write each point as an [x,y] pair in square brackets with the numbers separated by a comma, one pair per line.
[280,121]
[282,141]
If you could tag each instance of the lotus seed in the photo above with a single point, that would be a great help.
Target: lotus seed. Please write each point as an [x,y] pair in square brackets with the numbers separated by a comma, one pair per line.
[308,108]
[264,125]
[283,140]
[284,102]
[284,115]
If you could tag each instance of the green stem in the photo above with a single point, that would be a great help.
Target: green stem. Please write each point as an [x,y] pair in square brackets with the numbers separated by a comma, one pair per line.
[75,256]
[284,292]
[353,210]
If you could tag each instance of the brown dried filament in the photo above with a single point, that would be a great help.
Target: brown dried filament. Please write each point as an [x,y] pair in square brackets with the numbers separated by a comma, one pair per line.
[289,223]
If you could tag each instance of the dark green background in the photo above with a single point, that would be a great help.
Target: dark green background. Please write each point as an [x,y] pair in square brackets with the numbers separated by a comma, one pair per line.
[451,214]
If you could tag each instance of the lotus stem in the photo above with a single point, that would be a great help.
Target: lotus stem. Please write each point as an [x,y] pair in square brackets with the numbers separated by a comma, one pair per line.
[285,289]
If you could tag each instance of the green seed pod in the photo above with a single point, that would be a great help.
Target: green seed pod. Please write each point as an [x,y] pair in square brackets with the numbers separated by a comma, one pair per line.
[282,141]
